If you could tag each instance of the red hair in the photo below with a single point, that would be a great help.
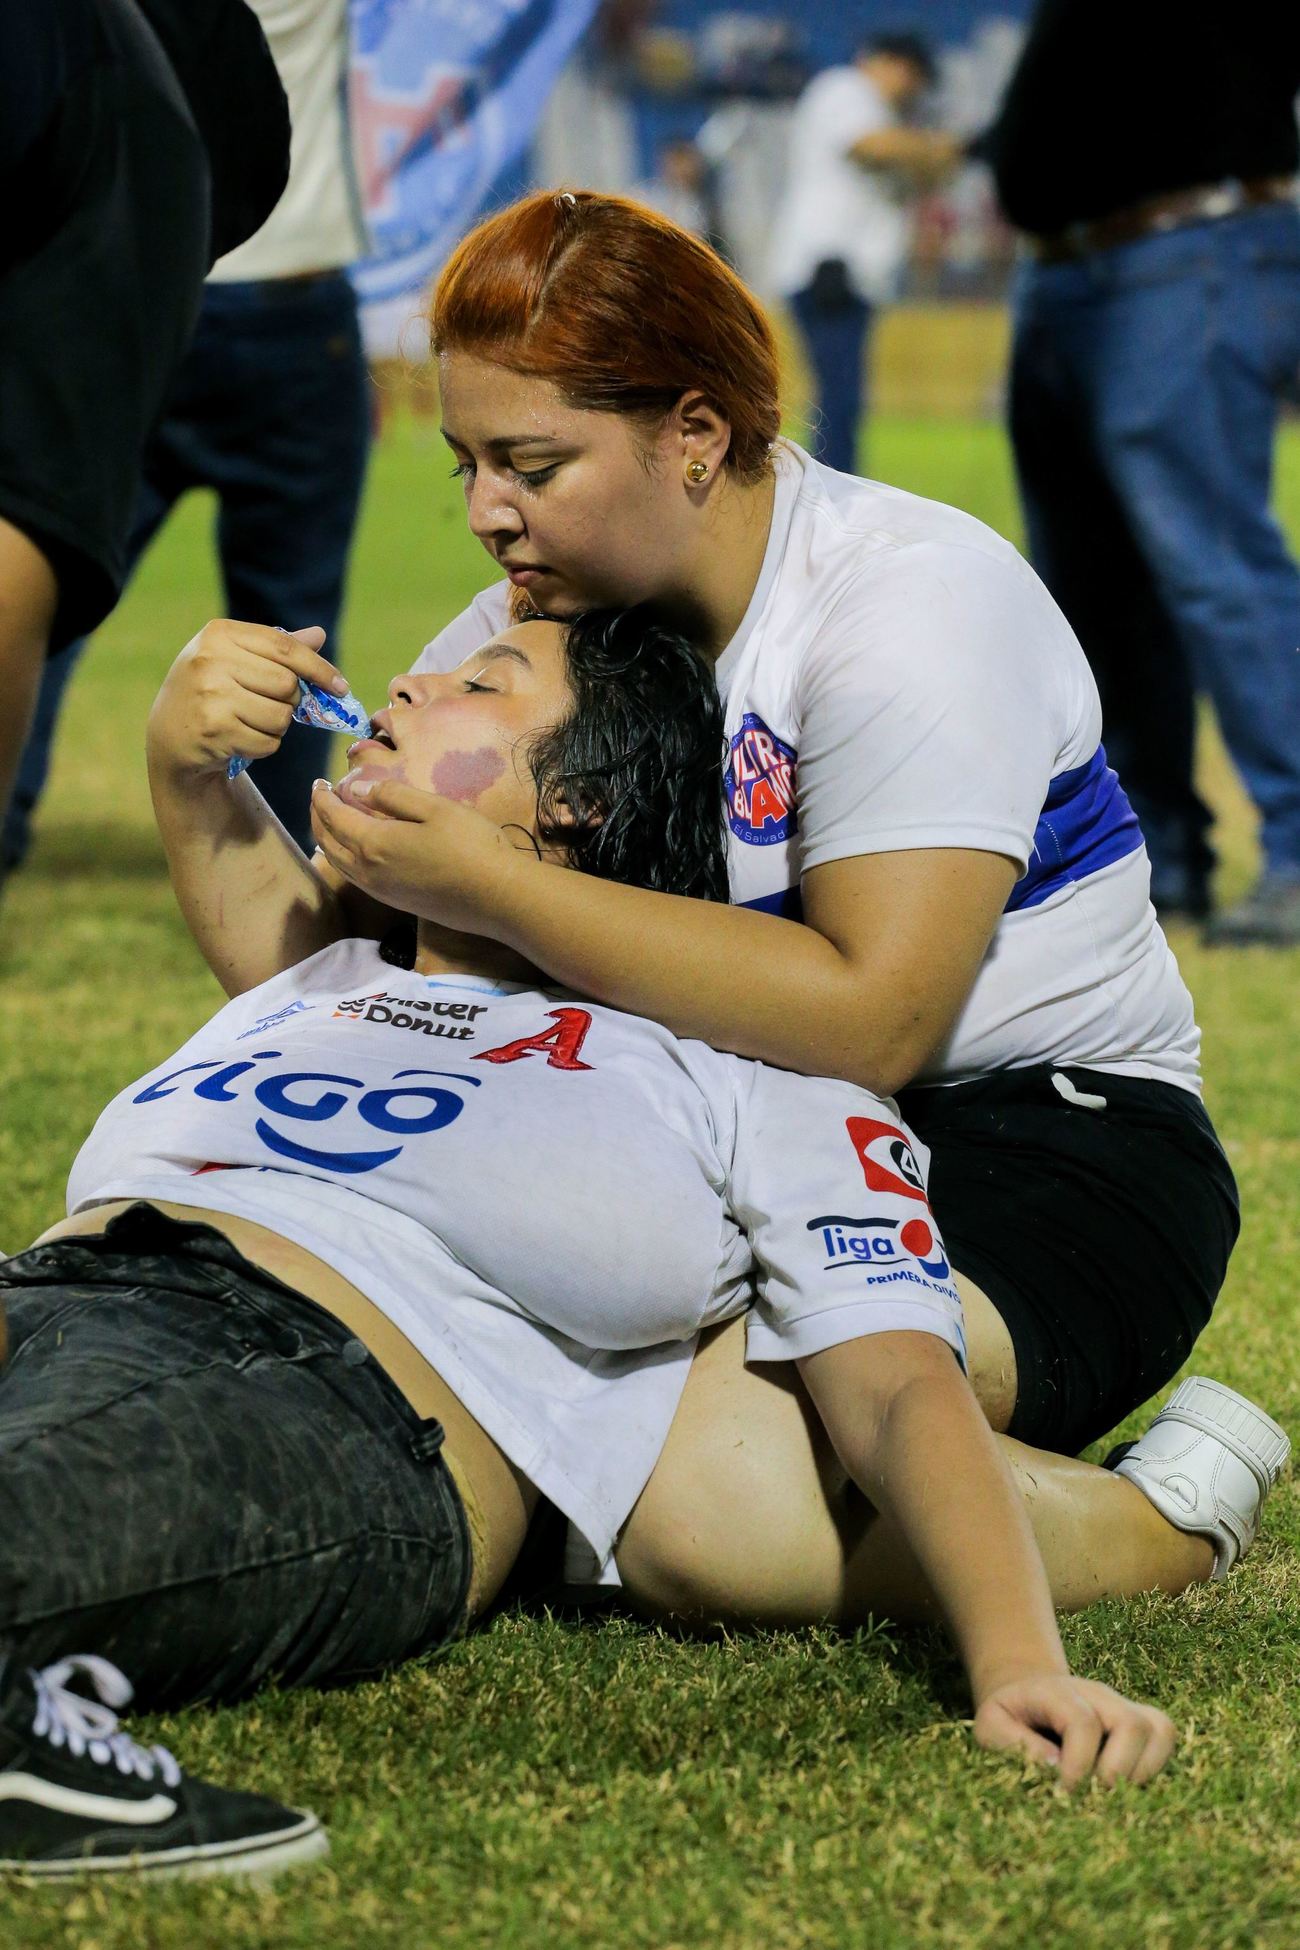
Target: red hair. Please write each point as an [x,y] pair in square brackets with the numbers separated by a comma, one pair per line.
[620,308]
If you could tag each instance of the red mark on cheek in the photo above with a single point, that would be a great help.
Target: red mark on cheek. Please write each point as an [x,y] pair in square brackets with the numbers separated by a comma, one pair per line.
[466,775]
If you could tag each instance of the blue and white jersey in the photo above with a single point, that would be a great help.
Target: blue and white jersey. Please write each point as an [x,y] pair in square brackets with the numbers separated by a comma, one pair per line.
[902,679]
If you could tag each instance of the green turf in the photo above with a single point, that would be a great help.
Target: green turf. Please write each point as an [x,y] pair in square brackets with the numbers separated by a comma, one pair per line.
[551,1783]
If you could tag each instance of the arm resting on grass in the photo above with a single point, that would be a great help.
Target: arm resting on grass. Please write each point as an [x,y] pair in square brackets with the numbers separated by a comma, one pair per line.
[907,1427]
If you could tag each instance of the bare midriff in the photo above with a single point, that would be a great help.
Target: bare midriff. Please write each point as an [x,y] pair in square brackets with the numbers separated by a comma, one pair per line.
[498,1500]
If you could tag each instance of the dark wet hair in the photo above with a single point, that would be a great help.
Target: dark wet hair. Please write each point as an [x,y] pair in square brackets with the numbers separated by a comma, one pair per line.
[637,763]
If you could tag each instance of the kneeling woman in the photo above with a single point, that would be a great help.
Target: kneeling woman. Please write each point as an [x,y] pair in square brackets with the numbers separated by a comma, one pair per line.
[386,1252]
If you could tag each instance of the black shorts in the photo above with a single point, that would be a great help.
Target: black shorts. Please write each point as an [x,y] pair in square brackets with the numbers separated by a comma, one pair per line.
[100,278]
[1100,1236]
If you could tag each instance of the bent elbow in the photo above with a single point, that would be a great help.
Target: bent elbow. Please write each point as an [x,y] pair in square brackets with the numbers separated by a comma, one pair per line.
[885,1077]
[886,1066]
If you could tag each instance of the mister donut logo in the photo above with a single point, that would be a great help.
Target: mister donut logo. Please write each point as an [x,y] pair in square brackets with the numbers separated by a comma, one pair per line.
[760,782]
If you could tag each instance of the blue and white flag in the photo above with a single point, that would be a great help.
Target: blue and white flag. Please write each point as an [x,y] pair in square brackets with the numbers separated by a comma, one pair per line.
[444,95]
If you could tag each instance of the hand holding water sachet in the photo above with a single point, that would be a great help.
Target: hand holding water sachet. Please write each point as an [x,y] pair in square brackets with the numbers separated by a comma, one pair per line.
[233,692]
[325,711]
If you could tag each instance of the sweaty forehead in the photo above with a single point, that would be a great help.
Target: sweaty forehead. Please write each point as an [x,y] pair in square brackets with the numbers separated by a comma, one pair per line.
[536,646]
[518,404]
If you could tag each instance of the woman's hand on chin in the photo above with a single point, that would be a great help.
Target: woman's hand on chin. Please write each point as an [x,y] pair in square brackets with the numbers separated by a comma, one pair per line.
[418,852]
[1077,1726]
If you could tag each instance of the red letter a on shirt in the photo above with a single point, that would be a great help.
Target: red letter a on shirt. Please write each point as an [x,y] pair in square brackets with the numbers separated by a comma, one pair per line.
[561,1043]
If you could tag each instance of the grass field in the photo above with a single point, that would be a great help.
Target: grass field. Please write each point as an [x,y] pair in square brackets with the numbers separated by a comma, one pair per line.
[601,1786]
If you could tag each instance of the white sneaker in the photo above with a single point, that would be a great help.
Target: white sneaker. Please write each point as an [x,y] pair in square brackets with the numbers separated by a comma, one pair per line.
[1207,1462]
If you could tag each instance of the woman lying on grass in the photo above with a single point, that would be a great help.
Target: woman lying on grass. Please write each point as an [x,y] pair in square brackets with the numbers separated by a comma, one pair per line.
[386,1253]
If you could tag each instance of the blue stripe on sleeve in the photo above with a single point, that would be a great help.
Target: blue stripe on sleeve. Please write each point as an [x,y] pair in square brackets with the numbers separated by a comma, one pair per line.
[1086,823]
[788,904]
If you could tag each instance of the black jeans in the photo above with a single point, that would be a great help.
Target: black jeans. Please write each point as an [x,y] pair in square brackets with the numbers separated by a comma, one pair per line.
[205,1478]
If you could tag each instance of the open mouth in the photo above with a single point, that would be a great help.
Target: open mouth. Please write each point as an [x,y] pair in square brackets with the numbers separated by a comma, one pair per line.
[377,737]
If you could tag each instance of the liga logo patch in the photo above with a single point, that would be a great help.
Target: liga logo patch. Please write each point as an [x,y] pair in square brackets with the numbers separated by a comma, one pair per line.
[888,1248]
[760,783]
[876,1241]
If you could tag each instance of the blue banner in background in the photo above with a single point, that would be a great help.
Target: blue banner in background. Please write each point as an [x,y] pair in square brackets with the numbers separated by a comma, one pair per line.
[444,95]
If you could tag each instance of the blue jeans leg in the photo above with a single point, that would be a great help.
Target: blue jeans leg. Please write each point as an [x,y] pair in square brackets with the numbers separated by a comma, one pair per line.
[271,409]
[1083,546]
[836,339]
[289,472]
[1182,346]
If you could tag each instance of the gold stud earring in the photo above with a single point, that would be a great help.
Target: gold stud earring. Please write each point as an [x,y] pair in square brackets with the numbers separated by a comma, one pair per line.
[697,471]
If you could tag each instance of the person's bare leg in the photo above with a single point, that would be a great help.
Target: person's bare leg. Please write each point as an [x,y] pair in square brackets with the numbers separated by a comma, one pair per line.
[990,1356]
[28,597]
[749,1514]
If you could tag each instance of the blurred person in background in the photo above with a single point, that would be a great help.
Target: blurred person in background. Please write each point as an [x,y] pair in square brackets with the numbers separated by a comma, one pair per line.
[683,189]
[842,227]
[270,409]
[1157,328]
[123,174]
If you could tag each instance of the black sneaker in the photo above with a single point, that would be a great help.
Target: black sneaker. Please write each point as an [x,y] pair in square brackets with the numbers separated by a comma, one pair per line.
[79,1797]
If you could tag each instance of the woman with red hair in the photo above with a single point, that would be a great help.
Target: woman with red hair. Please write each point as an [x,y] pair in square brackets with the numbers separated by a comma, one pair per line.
[939,890]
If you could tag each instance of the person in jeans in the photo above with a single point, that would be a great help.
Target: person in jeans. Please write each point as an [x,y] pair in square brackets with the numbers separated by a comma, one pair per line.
[401,1242]
[271,409]
[841,230]
[1152,168]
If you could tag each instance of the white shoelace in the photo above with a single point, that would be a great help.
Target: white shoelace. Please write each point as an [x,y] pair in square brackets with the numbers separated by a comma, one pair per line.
[66,1718]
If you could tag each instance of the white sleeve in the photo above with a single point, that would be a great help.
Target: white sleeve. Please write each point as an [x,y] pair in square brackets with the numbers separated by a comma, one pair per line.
[829,1184]
[933,705]
[486,617]
[841,110]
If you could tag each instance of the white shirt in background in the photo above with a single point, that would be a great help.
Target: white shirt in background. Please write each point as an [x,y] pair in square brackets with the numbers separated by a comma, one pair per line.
[833,207]
[317,224]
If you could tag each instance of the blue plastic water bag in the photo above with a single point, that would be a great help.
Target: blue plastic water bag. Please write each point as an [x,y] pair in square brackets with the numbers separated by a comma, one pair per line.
[319,707]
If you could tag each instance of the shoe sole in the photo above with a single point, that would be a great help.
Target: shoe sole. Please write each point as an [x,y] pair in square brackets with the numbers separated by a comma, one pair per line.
[283,1850]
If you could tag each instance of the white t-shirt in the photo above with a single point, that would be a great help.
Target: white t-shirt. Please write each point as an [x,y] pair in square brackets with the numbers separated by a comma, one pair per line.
[902,679]
[317,224]
[833,207]
[548,1198]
